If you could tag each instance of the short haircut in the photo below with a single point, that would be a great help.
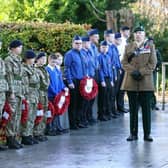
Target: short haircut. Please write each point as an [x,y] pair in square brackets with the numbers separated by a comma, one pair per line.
[55,55]
[52,56]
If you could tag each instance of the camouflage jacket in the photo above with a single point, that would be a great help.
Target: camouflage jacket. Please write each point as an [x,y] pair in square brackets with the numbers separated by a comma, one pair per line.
[3,81]
[14,73]
[44,78]
[31,83]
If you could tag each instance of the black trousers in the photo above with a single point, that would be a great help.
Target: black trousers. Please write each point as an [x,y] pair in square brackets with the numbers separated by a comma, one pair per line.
[75,107]
[105,99]
[119,93]
[136,100]
[89,113]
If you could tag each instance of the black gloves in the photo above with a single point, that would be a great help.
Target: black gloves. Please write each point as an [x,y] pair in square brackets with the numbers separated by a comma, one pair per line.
[136,75]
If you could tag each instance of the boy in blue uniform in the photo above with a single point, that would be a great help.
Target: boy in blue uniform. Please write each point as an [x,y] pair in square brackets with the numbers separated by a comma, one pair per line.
[74,72]
[120,75]
[109,37]
[89,70]
[106,83]
[55,87]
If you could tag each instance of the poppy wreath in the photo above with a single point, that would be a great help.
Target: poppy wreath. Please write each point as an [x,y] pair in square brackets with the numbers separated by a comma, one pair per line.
[61,102]
[88,88]
[50,113]
[6,114]
[39,115]
[25,111]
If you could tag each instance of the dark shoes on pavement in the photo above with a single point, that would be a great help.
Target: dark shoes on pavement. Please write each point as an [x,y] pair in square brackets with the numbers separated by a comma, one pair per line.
[135,137]
[132,138]
[148,138]
[12,143]
[123,110]
[3,147]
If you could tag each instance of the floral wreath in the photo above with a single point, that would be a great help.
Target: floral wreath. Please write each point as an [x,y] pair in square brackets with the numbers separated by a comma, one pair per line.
[61,102]
[88,88]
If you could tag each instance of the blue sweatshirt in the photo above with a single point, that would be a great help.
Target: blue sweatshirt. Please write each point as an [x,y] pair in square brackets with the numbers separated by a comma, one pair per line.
[56,82]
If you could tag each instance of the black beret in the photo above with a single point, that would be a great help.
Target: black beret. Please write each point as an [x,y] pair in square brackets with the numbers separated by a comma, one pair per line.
[29,54]
[93,32]
[77,37]
[15,44]
[125,28]
[85,38]
[117,35]
[41,54]
[106,32]
[104,43]
[139,28]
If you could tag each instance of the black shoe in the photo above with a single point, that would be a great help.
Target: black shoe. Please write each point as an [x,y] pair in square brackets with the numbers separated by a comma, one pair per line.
[38,138]
[80,125]
[3,147]
[114,115]
[74,127]
[58,132]
[64,131]
[103,118]
[12,143]
[92,121]
[123,110]
[44,138]
[35,141]
[41,138]
[148,138]
[132,138]
[21,145]
[26,140]
[156,108]
[50,133]
[115,112]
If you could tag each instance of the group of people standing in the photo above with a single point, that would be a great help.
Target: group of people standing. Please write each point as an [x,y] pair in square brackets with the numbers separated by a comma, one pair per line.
[28,87]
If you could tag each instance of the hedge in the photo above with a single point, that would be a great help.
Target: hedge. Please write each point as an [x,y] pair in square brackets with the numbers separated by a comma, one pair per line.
[48,37]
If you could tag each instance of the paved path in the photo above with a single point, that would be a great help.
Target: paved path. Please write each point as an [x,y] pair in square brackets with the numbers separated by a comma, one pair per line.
[101,146]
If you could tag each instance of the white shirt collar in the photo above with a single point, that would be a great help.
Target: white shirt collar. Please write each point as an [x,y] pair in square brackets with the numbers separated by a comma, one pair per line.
[52,68]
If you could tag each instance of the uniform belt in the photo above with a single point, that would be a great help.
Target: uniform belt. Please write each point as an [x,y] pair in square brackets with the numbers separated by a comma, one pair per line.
[43,88]
[33,85]
[17,77]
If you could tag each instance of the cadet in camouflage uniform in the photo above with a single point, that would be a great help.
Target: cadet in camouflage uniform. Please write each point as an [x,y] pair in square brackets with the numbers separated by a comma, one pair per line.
[31,83]
[14,95]
[43,97]
[3,89]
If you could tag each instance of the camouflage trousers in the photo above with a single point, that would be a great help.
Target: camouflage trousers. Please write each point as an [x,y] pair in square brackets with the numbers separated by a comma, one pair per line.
[2,102]
[27,128]
[2,130]
[40,128]
[13,126]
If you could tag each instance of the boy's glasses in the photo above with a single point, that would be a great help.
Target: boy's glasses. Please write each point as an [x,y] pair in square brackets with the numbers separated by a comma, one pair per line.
[78,43]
